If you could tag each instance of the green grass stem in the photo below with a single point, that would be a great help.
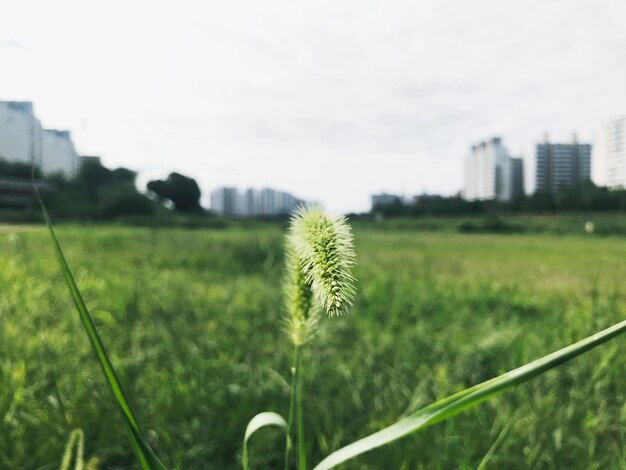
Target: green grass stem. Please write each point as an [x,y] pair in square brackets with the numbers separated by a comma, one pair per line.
[302,465]
[267,418]
[292,403]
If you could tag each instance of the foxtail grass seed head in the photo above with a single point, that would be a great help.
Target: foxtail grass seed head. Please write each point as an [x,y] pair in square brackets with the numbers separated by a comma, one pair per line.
[302,313]
[297,292]
[324,250]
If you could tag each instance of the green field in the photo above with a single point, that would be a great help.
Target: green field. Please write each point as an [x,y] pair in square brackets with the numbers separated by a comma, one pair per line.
[435,313]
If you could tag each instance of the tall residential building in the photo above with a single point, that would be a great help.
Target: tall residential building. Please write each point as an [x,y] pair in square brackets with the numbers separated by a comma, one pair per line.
[23,140]
[560,166]
[611,151]
[491,173]
[20,133]
[252,202]
[58,153]
[517,178]
[224,200]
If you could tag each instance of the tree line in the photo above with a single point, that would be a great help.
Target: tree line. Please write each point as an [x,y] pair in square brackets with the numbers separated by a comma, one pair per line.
[585,196]
[98,192]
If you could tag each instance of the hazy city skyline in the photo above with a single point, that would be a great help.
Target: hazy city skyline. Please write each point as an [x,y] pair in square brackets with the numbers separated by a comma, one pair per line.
[329,101]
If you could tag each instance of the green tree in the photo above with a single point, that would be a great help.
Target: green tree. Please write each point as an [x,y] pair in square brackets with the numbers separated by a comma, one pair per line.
[181,190]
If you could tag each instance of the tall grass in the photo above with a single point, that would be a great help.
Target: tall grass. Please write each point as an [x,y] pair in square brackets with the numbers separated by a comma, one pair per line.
[146,457]
[320,254]
[439,411]
[468,398]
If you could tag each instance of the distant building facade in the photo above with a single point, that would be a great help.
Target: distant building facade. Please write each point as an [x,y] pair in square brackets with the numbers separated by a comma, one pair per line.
[20,133]
[23,140]
[252,203]
[224,201]
[58,153]
[612,152]
[492,174]
[516,177]
[560,166]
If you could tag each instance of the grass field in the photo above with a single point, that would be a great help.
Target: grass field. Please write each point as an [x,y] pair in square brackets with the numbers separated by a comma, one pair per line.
[565,223]
[435,312]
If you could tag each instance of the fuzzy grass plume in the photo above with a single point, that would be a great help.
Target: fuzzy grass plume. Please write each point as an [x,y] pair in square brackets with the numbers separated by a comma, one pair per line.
[320,254]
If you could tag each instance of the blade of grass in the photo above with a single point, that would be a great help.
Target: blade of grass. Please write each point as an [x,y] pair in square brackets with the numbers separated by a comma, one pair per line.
[267,418]
[454,404]
[76,440]
[146,456]
[485,460]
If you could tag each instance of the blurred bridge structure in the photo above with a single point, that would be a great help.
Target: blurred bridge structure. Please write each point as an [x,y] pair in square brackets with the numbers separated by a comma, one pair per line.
[19,192]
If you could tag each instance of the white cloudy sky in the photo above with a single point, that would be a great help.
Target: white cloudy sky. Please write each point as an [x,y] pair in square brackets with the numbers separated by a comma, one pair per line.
[331,100]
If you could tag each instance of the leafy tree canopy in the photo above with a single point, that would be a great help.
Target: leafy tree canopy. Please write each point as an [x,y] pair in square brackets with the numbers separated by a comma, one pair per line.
[181,190]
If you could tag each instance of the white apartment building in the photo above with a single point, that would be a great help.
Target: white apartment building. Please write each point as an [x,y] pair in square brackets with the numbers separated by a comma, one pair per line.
[491,173]
[20,133]
[58,154]
[224,200]
[611,153]
[23,140]
[252,202]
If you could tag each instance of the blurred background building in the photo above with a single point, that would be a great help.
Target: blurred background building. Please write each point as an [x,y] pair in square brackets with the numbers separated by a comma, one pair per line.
[561,166]
[611,151]
[22,140]
[491,173]
[20,133]
[252,203]
[58,155]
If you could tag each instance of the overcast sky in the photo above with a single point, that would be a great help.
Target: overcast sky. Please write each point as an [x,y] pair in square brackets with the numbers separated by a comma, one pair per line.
[331,100]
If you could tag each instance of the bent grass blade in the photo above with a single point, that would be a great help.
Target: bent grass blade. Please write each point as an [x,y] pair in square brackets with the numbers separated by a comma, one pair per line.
[485,460]
[454,404]
[146,456]
[75,441]
[267,418]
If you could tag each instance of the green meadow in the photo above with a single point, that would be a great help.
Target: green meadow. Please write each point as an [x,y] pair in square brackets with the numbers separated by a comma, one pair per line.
[193,320]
